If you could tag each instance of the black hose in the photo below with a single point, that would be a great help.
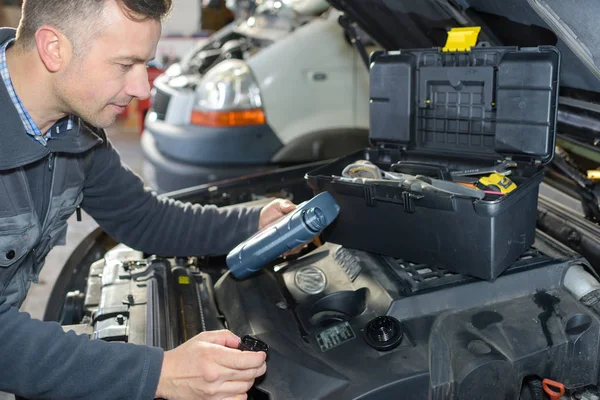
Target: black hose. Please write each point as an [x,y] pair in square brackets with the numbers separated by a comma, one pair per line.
[354,38]
[537,390]
[532,390]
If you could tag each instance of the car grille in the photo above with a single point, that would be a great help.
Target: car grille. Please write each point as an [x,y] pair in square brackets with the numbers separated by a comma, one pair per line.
[414,278]
[160,104]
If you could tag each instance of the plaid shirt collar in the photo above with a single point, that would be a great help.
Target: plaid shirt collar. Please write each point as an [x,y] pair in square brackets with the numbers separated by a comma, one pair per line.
[30,127]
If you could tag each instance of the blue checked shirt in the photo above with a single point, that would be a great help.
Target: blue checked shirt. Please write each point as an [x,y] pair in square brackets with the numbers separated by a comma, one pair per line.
[30,127]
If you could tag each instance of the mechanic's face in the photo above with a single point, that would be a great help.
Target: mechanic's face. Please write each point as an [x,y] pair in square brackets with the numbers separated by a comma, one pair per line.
[98,84]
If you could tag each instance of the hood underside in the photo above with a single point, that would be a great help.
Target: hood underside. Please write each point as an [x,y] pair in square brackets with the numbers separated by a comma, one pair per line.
[570,25]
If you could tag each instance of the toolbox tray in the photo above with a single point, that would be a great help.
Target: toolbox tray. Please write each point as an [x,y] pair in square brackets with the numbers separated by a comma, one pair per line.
[459,110]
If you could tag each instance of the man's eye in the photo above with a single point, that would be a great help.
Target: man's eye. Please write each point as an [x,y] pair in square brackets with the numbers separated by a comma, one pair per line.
[125,67]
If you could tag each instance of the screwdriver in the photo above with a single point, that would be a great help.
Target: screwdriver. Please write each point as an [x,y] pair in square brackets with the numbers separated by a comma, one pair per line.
[500,169]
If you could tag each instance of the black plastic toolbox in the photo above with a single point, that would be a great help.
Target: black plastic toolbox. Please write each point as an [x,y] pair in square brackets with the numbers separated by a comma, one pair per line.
[458,111]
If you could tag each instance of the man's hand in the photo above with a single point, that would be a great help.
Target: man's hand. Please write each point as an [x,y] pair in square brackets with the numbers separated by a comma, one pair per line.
[209,366]
[273,211]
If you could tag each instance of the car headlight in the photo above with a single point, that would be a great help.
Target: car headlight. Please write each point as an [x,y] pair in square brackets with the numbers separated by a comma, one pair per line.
[228,95]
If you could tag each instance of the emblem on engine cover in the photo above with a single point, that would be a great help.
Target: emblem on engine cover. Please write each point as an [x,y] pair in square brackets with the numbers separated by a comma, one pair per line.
[310,280]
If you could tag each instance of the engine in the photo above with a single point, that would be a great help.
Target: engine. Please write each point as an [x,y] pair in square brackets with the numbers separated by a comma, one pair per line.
[345,324]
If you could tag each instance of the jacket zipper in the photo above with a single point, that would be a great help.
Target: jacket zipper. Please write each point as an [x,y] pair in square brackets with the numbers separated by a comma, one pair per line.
[34,261]
[51,164]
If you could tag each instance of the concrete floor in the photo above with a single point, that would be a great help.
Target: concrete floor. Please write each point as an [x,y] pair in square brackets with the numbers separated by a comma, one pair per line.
[126,140]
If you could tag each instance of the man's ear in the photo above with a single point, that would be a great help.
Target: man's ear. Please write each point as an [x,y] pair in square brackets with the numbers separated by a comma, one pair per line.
[53,47]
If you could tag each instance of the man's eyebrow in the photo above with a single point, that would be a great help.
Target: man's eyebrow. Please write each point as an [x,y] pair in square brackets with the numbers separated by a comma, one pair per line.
[134,59]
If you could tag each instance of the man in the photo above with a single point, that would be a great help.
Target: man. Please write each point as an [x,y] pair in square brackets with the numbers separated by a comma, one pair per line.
[74,66]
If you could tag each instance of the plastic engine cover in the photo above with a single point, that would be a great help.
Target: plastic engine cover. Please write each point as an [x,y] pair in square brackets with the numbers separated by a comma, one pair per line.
[447,336]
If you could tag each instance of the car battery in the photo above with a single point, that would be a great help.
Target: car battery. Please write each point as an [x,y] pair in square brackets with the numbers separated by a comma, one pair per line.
[443,120]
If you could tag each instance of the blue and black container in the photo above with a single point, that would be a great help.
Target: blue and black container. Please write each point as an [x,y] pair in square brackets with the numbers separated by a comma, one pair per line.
[292,230]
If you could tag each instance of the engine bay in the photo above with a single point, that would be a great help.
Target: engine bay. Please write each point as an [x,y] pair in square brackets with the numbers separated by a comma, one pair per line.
[343,323]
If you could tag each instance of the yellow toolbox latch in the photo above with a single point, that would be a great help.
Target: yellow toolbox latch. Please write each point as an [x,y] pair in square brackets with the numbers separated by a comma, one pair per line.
[462,39]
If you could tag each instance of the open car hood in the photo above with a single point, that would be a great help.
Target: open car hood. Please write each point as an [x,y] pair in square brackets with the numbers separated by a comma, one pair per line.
[570,25]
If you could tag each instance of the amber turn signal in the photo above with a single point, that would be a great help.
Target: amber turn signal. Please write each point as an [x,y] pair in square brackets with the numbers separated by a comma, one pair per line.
[228,118]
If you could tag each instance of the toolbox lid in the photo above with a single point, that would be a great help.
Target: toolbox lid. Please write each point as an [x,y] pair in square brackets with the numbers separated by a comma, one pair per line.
[493,102]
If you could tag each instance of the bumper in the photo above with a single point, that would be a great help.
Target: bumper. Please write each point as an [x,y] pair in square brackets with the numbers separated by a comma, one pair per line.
[165,174]
[209,145]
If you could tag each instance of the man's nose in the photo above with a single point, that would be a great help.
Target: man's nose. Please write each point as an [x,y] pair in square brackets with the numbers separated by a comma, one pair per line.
[138,85]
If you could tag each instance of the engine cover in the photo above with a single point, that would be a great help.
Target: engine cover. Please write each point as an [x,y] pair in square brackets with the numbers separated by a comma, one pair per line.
[345,324]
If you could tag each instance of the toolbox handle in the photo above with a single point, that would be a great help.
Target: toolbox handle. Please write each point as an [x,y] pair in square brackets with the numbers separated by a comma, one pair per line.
[406,198]
[375,193]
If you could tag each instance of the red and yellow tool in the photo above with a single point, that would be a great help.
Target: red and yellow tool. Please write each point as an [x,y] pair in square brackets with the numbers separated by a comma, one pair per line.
[472,185]
[496,182]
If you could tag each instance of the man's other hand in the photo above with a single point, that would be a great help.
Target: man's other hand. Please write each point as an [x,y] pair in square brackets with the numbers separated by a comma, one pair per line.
[209,366]
[274,211]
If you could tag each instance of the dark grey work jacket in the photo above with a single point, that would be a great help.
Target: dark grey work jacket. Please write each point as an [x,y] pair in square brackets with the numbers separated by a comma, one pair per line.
[81,168]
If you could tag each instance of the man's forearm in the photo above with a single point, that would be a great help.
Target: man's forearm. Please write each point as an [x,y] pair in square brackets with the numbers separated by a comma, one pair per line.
[39,360]
[116,198]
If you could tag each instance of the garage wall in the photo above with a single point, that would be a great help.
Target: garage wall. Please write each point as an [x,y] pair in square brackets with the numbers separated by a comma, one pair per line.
[184,19]
[10,13]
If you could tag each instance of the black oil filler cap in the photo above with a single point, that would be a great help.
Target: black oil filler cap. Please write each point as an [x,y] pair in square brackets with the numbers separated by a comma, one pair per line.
[384,333]
[251,343]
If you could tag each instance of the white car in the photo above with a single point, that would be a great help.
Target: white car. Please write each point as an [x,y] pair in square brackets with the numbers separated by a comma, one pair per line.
[302,97]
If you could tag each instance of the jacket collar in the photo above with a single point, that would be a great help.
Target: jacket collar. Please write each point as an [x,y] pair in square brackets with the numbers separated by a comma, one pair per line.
[16,147]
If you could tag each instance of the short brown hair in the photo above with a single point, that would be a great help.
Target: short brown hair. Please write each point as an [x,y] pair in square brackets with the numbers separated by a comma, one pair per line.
[66,15]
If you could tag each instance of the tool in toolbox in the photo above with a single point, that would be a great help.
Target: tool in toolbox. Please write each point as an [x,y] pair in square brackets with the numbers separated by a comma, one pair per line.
[443,173]
[496,182]
[363,171]
[481,187]
[503,168]
[419,185]
[416,168]
[418,182]
[290,231]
